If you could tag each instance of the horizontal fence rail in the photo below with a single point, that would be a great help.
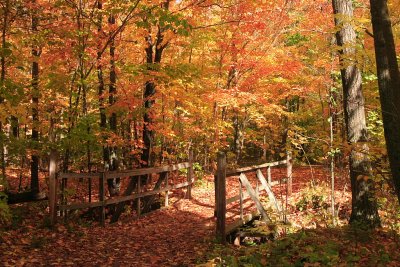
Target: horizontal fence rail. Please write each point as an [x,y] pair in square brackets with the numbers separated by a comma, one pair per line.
[102,178]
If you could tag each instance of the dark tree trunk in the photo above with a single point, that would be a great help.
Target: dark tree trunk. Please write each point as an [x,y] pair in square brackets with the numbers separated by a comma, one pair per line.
[389,84]
[100,78]
[364,205]
[35,107]
[113,184]
[2,80]
[154,51]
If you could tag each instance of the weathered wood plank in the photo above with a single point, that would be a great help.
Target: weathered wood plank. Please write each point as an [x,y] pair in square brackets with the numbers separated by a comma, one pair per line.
[67,175]
[145,171]
[270,193]
[253,168]
[190,175]
[253,196]
[122,198]
[166,200]
[127,173]
[53,186]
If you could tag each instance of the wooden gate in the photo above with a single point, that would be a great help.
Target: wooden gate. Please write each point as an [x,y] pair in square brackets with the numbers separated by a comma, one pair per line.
[221,202]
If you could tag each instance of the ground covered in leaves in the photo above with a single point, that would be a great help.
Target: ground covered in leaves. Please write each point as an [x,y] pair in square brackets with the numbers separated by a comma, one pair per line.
[183,233]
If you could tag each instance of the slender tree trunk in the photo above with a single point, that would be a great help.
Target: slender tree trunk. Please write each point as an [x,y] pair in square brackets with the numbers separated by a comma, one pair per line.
[389,84]
[114,184]
[35,107]
[100,78]
[364,205]
[2,80]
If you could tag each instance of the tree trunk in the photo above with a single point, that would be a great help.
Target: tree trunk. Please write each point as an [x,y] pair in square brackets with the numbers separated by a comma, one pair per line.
[154,51]
[389,84]
[100,78]
[3,179]
[35,107]
[113,184]
[364,205]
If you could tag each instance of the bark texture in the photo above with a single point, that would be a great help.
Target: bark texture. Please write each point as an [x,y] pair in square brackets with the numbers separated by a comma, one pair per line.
[35,107]
[389,85]
[364,205]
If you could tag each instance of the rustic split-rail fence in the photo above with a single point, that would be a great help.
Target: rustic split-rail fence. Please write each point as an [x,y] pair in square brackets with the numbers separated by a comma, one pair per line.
[58,189]
[221,201]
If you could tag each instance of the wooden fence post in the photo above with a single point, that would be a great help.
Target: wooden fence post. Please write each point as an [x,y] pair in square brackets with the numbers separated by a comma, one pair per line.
[269,177]
[221,197]
[138,189]
[53,186]
[190,176]
[166,192]
[289,172]
[101,198]
[241,199]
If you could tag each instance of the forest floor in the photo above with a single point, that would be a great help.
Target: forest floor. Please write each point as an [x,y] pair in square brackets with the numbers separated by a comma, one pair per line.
[182,234]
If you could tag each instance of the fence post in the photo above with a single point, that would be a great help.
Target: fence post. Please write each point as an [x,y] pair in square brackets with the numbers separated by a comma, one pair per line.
[269,174]
[101,198]
[190,175]
[241,199]
[221,197]
[166,192]
[289,172]
[53,186]
[138,204]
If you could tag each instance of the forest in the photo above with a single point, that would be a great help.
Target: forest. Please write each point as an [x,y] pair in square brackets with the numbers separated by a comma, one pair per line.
[199,133]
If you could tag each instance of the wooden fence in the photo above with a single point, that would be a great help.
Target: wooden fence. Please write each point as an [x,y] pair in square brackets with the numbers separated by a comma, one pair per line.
[59,204]
[221,202]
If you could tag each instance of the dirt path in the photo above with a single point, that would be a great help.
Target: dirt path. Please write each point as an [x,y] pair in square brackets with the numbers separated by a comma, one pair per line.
[173,236]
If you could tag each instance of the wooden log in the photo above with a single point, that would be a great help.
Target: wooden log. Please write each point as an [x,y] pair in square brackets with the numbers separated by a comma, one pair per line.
[53,186]
[289,173]
[221,197]
[190,175]
[253,196]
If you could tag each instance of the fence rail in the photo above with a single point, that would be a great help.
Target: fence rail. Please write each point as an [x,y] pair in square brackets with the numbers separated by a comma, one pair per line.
[102,177]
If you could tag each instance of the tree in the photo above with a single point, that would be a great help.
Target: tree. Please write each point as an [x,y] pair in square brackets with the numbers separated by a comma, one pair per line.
[35,103]
[364,205]
[389,84]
